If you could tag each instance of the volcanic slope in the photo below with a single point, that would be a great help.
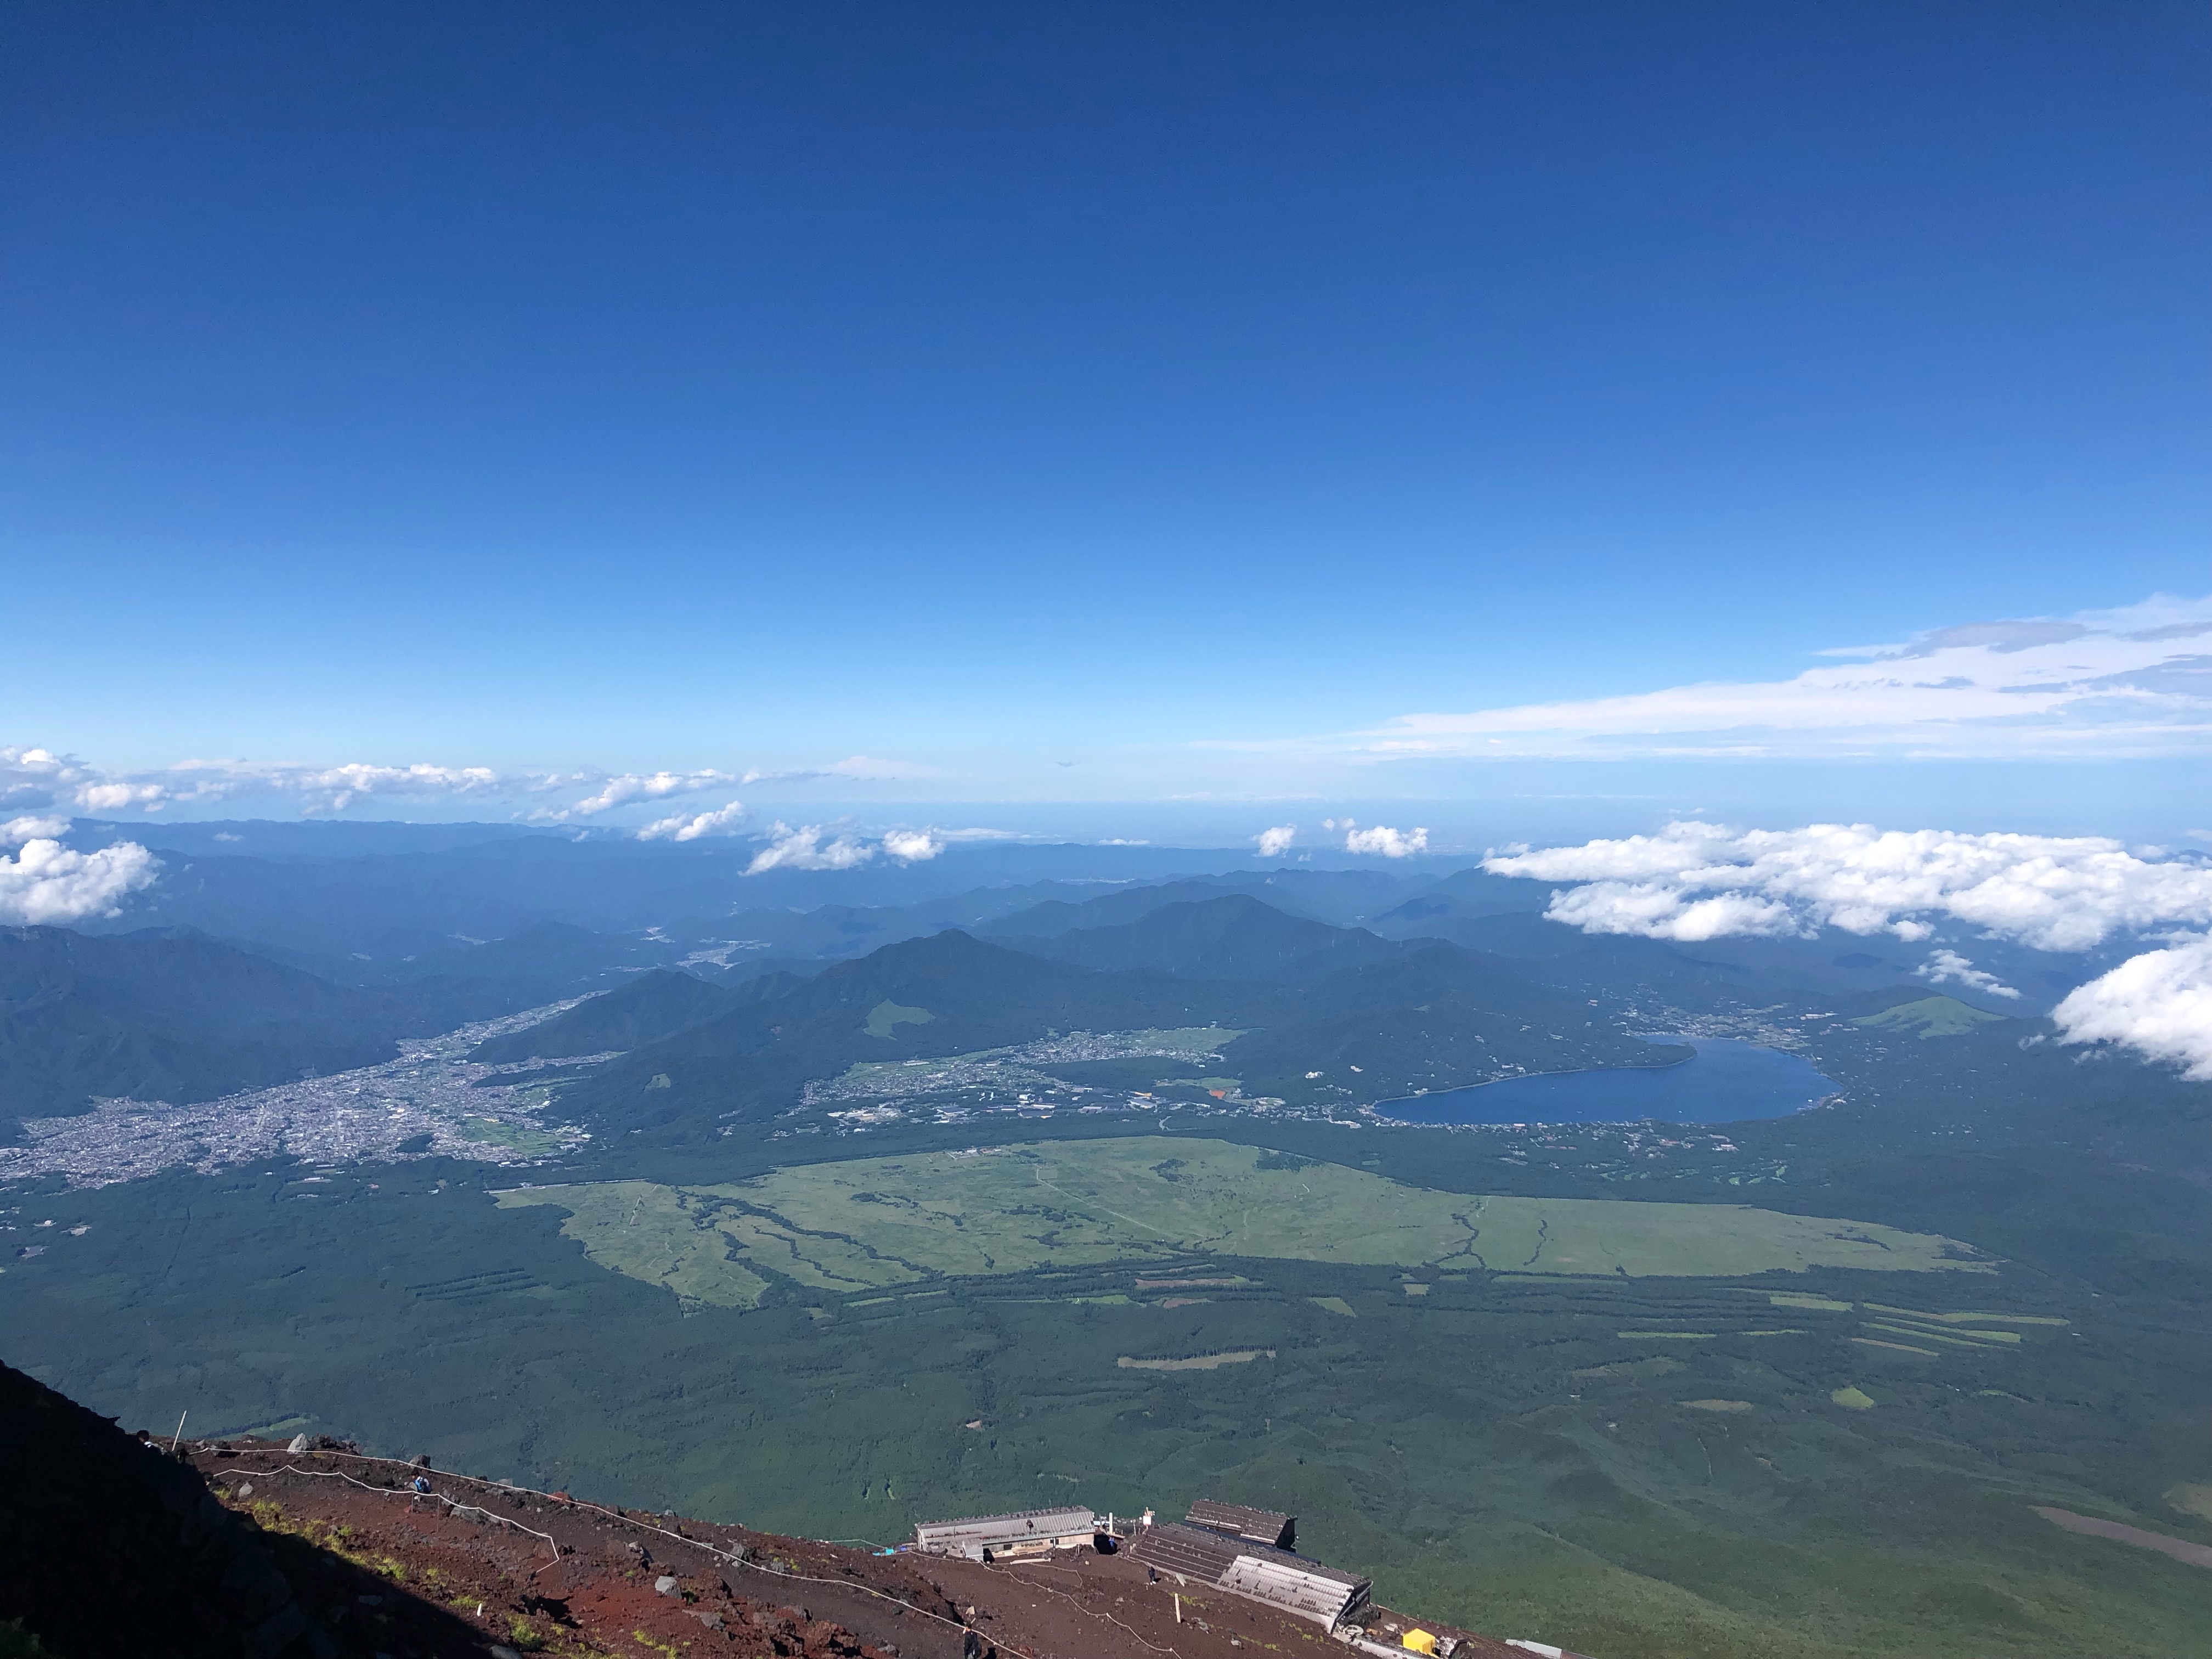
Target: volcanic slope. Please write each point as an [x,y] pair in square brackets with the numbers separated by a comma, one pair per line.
[869,1224]
[538,1570]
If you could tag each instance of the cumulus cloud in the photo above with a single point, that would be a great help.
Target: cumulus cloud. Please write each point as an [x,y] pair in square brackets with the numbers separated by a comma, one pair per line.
[1273,843]
[1949,968]
[722,821]
[1383,839]
[2101,685]
[32,777]
[1698,881]
[2158,1003]
[913,846]
[624,787]
[116,797]
[809,847]
[336,787]
[46,884]
[16,831]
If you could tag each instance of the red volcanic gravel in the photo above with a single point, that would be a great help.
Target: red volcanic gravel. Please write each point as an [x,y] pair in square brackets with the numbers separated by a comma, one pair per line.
[531,1571]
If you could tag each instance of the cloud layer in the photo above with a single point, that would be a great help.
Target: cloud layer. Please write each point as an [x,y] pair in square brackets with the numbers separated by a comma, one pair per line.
[2099,685]
[1695,882]
[692,826]
[2158,1003]
[32,778]
[46,884]
[1380,840]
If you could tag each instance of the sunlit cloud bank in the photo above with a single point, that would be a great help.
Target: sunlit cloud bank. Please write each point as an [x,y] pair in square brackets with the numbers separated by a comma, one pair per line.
[692,826]
[1949,968]
[32,778]
[2099,685]
[1700,881]
[1379,839]
[1694,882]
[2158,1003]
[818,847]
[46,884]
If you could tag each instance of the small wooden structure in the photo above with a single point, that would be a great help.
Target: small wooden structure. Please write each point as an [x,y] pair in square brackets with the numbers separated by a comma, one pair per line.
[1259,1526]
[1024,1532]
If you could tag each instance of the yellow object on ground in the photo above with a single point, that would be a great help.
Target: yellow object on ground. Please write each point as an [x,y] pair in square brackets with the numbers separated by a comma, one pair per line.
[1418,1640]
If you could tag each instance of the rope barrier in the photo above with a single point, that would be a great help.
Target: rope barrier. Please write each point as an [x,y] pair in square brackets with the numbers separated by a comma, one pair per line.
[1079,1606]
[453,1504]
[700,1543]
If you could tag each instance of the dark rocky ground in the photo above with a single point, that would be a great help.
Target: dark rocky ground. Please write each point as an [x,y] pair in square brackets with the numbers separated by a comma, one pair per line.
[110,1546]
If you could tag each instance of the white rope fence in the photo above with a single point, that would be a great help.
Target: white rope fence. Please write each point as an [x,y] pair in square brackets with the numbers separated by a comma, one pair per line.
[700,1543]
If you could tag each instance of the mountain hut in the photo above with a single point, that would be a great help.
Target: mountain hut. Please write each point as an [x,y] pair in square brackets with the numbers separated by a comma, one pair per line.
[1024,1532]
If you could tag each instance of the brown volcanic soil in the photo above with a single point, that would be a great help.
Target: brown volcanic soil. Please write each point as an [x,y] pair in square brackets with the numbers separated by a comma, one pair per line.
[478,1566]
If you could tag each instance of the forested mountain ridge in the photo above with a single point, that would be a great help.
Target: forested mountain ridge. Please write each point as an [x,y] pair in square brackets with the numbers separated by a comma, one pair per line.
[169,1014]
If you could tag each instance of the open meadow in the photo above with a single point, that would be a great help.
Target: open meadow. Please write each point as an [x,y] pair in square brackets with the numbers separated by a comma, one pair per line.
[868,1224]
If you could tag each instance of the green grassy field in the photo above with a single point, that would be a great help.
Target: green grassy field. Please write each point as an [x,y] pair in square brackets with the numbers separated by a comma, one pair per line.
[1642,1466]
[867,1224]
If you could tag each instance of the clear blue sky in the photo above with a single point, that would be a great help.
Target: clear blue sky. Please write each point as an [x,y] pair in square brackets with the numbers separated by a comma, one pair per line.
[983,387]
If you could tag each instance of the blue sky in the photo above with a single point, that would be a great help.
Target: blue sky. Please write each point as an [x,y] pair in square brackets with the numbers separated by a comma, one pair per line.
[1190,393]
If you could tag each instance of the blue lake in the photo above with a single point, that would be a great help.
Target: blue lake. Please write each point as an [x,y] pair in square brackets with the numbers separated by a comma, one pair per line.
[1726,1082]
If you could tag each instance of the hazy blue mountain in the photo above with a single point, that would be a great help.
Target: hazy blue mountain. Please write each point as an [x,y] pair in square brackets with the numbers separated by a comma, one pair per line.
[1233,937]
[345,892]
[1463,896]
[653,1006]
[1056,917]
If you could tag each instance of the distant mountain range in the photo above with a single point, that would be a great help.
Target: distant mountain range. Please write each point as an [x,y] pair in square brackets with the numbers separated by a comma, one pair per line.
[1343,985]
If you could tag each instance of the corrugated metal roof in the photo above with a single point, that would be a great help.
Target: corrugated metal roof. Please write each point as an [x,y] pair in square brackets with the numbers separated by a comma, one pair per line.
[1260,1526]
[1191,1551]
[1308,1590]
[1018,1523]
[1202,1554]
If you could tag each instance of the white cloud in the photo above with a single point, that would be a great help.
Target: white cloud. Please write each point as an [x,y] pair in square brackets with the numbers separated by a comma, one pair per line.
[46,884]
[2099,685]
[2158,1003]
[624,787]
[1949,968]
[805,848]
[722,821]
[16,831]
[860,768]
[913,846]
[1383,839]
[116,797]
[36,777]
[1697,881]
[336,787]
[1274,842]
[31,778]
